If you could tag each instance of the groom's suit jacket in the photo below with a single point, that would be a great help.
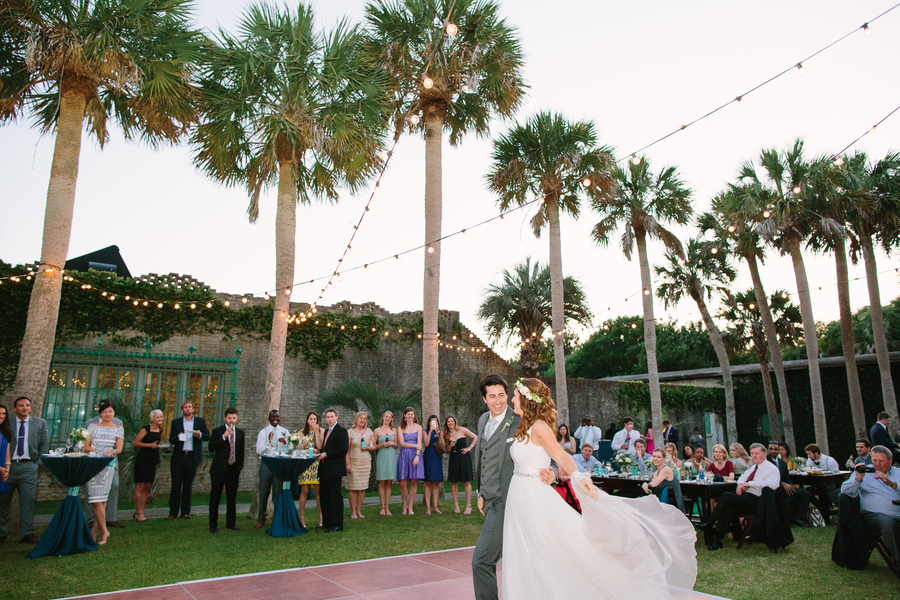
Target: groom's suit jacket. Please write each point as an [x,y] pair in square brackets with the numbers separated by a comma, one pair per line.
[493,464]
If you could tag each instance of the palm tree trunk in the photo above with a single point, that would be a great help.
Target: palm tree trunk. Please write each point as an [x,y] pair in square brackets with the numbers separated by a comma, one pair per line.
[556,312]
[881,347]
[529,357]
[431,392]
[640,238]
[774,350]
[719,346]
[762,354]
[812,344]
[43,309]
[285,239]
[848,343]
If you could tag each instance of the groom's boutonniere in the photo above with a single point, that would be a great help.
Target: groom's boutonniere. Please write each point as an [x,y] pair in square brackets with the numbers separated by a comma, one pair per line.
[507,424]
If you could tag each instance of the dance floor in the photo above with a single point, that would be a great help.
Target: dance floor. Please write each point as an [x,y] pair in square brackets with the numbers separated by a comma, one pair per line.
[445,575]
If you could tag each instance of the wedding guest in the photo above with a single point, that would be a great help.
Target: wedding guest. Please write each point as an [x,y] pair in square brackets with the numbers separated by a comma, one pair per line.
[147,442]
[359,465]
[687,454]
[186,435]
[5,437]
[385,460]
[32,440]
[698,461]
[226,443]
[434,465]
[565,440]
[332,468]
[784,451]
[720,463]
[112,506]
[648,437]
[624,440]
[863,454]
[817,460]
[312,438]
[796,499]
[670,434]
[641,455]
[696,439]
[672,459]
[586,462]
[107,438]
[610,431]
[460,441]
[409,466]
[272,435]
[740,460]
[664,482]
[588,433]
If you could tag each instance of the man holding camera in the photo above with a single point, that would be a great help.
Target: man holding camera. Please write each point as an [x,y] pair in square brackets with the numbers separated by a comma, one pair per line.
[876,487]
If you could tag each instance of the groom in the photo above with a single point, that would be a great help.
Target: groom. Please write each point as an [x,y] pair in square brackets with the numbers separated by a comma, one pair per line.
[493,471]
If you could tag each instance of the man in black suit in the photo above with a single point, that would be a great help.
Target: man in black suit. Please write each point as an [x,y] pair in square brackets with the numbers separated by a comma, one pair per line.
[797,499]
[881,435]
[670,434]
[332,467]
[186,436]
[227,444]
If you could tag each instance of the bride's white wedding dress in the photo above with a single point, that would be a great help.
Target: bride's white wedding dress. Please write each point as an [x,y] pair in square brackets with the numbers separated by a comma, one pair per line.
[628,548]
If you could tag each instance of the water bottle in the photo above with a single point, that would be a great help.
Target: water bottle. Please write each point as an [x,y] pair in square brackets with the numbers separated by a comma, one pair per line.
[362,443]
[634,471]
[602,470]
[701,476]
[596,469]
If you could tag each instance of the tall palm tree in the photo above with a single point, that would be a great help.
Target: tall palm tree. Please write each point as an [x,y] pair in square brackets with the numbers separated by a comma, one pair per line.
[76,63]
[705,271]
[640,205]
[560,162]
[783,223]
[458,78]
[290,106]
[742,311]
[522,306]
[733,223]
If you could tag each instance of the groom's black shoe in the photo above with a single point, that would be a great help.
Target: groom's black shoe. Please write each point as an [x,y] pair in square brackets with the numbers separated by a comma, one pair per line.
[715,546]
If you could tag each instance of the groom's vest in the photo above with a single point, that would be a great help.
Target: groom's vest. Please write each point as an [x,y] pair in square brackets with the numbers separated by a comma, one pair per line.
[495,463]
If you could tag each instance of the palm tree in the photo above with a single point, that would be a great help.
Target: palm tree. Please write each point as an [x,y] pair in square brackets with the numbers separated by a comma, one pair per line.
[552,159]
[642,203]
[521,305]
[458,76]
[289,106]
[69,63]
[706,271]
[742,311]
[733,224]
[355,395]
[778,196]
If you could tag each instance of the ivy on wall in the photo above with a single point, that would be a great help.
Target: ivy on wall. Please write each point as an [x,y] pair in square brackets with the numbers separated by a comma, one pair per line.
[687,398]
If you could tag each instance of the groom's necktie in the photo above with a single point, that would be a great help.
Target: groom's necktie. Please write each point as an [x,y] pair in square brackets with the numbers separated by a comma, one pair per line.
[489,429]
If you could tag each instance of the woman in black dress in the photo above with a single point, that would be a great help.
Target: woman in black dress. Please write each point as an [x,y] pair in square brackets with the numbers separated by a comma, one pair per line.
[460,441]
[147,443]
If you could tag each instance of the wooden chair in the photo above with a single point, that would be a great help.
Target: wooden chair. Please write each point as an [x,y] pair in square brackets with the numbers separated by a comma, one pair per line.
[883,550]
[746,530]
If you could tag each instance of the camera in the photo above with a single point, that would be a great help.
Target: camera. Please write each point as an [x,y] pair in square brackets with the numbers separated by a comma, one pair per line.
[865,469]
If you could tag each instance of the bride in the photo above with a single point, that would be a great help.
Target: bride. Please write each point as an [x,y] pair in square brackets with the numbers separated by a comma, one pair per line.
[617,548]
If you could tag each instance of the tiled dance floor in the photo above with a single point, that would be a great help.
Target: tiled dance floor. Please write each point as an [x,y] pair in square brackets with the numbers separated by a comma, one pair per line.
[445,575]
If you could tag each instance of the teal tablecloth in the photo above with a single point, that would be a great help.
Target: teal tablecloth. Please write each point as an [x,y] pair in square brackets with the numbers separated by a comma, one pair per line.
[68,532]
[285,522]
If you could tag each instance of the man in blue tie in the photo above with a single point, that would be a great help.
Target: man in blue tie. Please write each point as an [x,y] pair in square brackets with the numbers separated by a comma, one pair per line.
[32,439]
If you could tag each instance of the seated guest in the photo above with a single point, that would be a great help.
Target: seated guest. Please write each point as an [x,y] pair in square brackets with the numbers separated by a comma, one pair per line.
[664,484]
[796,499]
[672,459]
[640,454]
[763,474]
[740,460]
[877,493]
[820,461]
[226,443]
[863,454]
[586,460]
[698,462]
[720,464]
[881,435]
[784,451]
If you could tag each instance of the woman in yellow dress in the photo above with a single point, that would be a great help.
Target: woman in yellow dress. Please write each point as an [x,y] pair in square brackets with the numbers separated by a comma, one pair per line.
[312,434]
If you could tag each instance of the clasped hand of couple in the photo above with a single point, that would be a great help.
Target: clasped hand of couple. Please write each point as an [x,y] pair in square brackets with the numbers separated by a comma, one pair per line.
[548,477]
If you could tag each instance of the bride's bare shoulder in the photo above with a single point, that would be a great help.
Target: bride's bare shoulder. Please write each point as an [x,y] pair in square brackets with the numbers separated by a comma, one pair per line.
[539,431]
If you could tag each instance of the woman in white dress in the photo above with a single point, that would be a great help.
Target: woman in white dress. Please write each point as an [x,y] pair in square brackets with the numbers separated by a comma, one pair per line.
[617,548]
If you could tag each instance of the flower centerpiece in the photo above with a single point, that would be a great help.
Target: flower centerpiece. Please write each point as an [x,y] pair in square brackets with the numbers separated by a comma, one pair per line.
[799,463]
[624,462]
[79,436]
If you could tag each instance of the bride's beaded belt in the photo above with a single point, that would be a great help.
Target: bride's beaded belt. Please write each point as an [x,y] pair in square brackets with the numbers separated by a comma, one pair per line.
[524,474]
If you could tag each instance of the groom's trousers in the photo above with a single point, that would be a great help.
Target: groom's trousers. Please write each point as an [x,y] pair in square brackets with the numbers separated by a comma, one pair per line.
[488,551]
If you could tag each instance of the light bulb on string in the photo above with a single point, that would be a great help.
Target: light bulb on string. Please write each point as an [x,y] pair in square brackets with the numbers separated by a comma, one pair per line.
[430,249]
[451,29]
[428,83]
[244,300]
[714,250]
[383,155]
[414,119]
[731,229]
[797,189]
[839,161]
[801,70]
[586,182]
[766,214]
[867,29]
[635,160]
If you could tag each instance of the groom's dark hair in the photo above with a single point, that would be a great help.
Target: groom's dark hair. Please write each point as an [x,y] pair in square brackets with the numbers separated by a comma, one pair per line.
[493,380]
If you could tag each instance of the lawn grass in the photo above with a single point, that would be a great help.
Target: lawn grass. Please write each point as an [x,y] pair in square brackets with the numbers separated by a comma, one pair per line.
[159,552]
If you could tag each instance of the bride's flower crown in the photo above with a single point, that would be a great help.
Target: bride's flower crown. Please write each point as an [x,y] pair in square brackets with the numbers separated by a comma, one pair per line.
[527,393]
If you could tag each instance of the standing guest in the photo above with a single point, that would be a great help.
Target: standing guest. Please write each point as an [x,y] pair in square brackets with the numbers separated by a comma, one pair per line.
[461,441]
[672,459]
[670,434]
[227,445]
[610,431]
[863,454]
[105,437]
[186,436]
[565,440]
[763,474]
[698,461]
[585,461]
[147,442]
[112,506]
[880,433]
[796,499]
[624,440]
[648,437]
[409,466]
[720,464]
[434,466]
[696,439]
[664,482]
[641,455]
[385,460]
[740,460]
[272,434]
[5,438]
[31,440]
[333,467]
[817,460]
[312,435]
[359,462]
[588,433]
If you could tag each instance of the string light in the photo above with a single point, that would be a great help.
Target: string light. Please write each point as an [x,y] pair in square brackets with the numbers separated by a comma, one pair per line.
[414,119]
[430,249]
[866,29]
[452,29]
[801,70]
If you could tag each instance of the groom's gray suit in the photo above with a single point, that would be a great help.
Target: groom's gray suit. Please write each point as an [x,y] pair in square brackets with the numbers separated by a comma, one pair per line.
[493,471]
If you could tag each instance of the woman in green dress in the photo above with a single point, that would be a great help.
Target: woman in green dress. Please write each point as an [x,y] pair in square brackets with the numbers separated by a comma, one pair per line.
[312,434]
[385,460]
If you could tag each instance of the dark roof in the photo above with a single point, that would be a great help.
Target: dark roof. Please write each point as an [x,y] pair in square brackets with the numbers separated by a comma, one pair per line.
[107,259]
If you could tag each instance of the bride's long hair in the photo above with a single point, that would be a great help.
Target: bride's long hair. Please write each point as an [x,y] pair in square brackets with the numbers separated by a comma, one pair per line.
[532,411]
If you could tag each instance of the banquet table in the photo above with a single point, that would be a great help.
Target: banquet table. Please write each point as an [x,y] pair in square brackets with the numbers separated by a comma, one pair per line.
[285,522]
[819,485]
[68,532]
[690,490]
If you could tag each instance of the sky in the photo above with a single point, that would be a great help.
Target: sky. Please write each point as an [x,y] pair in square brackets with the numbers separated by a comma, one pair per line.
[638,70]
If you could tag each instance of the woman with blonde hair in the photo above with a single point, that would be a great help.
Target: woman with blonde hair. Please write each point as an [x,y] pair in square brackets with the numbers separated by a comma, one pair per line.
[359,465]
[385,460]
[643,548]
[672,455]
[147,442]
[739,458]
[410,467]
[720,464]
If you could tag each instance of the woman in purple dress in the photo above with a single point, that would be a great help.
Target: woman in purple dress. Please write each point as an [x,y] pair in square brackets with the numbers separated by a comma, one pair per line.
[410,467]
